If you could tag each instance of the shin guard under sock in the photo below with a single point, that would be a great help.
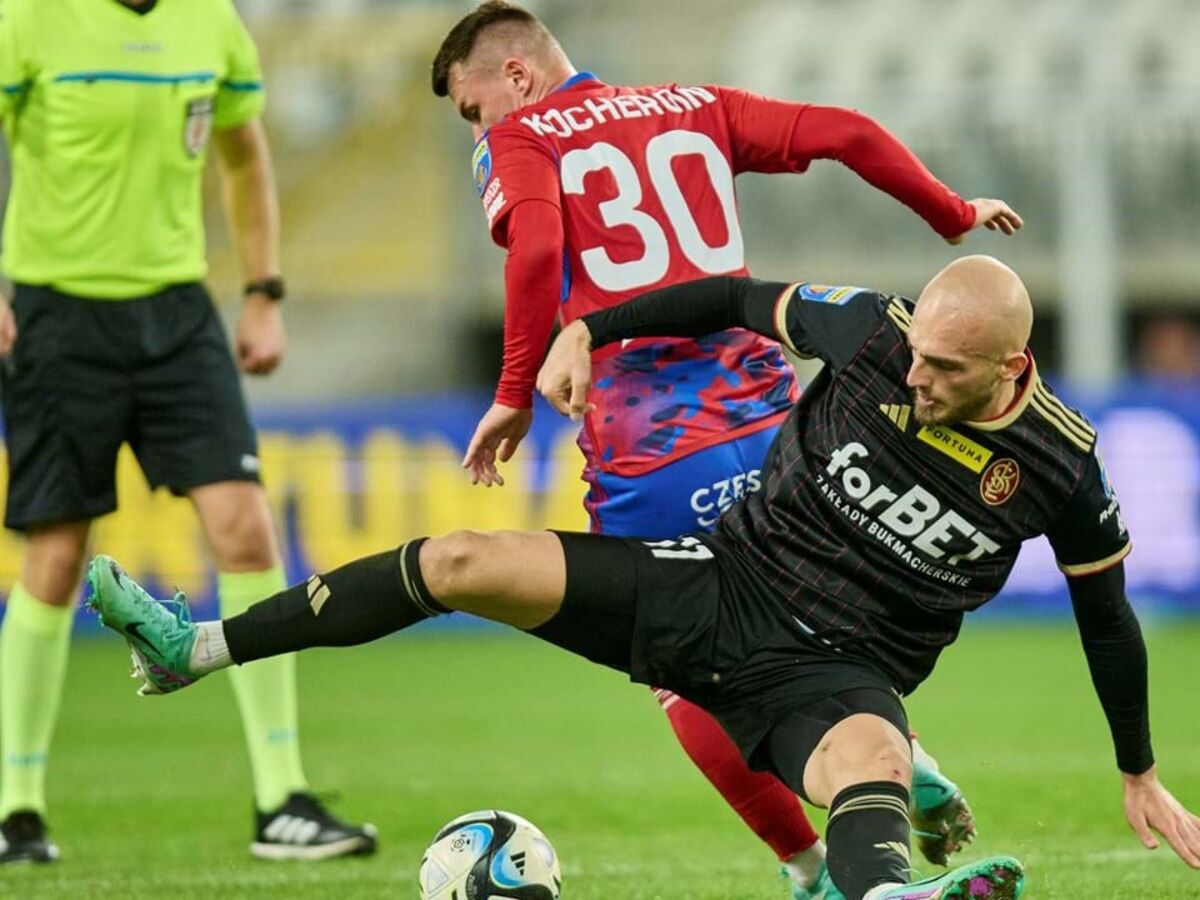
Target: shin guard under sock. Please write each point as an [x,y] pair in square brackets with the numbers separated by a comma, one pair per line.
[359,602]
[867,837]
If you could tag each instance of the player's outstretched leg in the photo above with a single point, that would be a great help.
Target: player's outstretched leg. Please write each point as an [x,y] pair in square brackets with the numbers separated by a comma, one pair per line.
[515,578]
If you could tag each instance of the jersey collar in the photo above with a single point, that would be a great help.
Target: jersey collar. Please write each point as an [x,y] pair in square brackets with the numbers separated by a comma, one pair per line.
[1027,387]
[574,81]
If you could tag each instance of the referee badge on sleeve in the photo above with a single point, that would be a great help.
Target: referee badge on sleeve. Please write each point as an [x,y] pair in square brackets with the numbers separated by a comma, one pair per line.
[198,125]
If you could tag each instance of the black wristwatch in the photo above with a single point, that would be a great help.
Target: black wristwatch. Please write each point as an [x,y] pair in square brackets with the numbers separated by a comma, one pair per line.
[272,288]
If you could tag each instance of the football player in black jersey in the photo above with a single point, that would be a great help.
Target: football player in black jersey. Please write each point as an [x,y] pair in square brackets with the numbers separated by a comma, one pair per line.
[894,500]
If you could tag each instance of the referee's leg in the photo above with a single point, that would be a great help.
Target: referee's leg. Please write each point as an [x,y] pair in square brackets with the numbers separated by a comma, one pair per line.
[34,645]
[237,524]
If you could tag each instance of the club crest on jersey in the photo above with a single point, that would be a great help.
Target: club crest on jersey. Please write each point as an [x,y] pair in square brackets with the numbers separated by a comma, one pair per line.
[198,125]
[999,481]
[481,165]
[827,293]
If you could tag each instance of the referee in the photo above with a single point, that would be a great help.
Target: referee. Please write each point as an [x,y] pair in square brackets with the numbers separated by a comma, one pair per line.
[109,107]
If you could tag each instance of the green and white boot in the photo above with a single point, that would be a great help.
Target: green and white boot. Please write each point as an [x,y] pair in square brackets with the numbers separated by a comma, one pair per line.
[941,819]
[993,878]
[160,634]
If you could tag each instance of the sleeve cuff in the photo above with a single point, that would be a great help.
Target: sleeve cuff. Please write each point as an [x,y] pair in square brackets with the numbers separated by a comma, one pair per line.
[1091,568]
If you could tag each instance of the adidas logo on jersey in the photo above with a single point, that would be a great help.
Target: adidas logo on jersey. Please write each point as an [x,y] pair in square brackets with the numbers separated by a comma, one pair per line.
[897,413]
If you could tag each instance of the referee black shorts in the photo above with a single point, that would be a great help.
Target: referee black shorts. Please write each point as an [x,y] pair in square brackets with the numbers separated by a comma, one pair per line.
[87,375]
[689,615]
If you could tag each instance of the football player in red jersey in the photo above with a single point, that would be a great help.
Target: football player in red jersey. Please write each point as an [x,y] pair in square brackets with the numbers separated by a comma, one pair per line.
[600,192]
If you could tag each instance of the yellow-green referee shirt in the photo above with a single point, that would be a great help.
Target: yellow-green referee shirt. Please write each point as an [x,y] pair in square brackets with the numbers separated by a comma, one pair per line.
[108,114]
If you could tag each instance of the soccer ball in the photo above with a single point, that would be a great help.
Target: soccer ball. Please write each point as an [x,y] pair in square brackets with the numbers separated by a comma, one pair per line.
[490,855]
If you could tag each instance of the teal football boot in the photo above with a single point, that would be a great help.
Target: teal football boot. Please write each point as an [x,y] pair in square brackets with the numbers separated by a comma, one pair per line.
[821,889]
[941,819]
[993,878]
[160,634]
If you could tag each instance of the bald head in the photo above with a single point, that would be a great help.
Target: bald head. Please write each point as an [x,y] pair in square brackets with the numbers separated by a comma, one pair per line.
[967,339]
[983,302]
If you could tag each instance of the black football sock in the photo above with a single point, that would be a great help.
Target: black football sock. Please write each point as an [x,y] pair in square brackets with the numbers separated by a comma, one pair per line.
[359,602]
[867,837]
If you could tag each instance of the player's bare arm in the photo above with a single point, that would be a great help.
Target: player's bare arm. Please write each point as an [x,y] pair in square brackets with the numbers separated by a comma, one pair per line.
[252,207]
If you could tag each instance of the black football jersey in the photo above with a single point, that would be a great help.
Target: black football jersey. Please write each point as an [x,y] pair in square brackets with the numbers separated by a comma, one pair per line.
[880,533]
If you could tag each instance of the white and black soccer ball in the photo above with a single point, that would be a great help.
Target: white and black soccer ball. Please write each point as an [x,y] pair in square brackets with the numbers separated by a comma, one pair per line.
[490,855]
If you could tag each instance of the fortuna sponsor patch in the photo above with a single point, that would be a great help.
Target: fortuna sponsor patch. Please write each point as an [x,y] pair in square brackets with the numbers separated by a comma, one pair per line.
[481,165]
[197,125]
[958,447]
[827,293]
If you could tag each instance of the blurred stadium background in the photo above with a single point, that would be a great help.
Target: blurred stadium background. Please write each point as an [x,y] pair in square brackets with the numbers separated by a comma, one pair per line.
[1083,114]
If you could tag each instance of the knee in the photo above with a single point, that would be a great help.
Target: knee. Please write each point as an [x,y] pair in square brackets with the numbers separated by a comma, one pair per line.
[892,762]
[857,750]
[244,539]
[53,564]
[450,564]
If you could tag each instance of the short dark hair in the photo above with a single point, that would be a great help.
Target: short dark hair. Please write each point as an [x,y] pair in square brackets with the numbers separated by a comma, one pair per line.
[462,37]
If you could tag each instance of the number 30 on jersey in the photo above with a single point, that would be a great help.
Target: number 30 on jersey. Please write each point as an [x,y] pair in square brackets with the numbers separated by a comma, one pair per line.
[625,209]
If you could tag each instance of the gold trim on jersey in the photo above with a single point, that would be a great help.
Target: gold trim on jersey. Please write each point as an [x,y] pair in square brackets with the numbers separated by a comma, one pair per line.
[1073,426]
[897,413]
[956,445]
[1098,566]
[781,310]
[1033,382]
[900,316]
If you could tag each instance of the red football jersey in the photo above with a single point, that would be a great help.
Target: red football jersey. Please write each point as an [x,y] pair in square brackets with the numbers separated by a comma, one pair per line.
[644,181]
[641,180]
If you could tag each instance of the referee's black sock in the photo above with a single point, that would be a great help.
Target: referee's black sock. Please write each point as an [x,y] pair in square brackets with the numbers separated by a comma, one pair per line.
[359,602]
[867,837]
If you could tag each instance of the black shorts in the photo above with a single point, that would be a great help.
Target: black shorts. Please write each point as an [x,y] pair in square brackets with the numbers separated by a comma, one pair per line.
[691,616]
[88,375]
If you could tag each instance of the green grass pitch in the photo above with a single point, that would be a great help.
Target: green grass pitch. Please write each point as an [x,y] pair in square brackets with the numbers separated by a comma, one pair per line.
[151,797]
